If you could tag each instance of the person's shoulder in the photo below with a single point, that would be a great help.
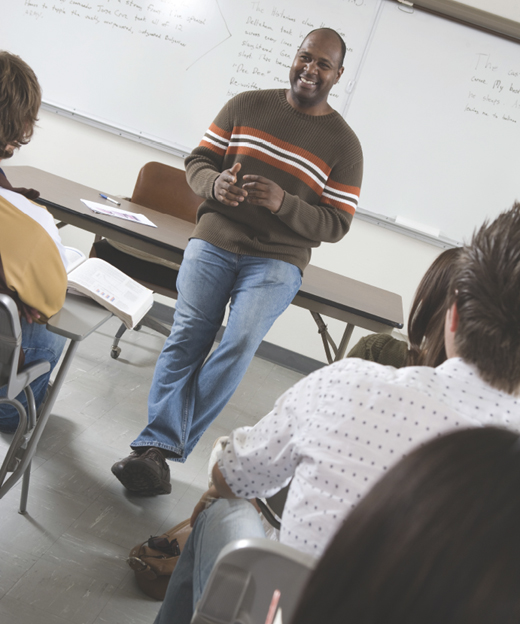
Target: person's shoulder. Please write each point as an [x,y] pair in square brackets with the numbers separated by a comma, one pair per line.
[256,96]
[381,348]
[350,370]
[342,127]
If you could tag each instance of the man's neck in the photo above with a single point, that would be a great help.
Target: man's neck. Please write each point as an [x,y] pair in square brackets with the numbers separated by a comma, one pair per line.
[317,110]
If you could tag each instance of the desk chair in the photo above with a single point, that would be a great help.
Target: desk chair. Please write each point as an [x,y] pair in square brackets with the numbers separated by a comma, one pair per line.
[244,580]
[77,319]
[165,189]
[16,382]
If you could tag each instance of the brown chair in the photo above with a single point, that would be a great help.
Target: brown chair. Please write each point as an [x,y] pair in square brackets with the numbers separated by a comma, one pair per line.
[165,189]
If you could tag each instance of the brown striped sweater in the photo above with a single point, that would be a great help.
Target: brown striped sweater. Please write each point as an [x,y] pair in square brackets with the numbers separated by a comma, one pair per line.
[317,161]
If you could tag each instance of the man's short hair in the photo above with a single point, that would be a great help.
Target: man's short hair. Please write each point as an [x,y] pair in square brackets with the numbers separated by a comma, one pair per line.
[340,38]
[486,288]
[20,99]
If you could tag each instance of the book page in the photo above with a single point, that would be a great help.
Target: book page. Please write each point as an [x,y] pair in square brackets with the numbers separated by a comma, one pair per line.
[112,288]
[74,258]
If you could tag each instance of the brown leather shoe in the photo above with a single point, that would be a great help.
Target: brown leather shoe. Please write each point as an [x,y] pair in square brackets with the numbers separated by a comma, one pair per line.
[144,472]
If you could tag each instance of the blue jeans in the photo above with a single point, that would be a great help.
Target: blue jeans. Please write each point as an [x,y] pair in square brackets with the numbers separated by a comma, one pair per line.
[38,344]
[224,521]
[187,393]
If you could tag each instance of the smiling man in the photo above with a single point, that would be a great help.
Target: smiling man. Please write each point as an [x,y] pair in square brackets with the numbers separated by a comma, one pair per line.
[280,172]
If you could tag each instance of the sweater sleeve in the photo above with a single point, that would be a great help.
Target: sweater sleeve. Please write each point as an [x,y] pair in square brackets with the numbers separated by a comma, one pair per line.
[329,220]
[381,348]
[205,163]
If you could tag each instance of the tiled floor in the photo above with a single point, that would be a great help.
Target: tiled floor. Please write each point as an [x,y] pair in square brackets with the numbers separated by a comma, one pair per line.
[64,562]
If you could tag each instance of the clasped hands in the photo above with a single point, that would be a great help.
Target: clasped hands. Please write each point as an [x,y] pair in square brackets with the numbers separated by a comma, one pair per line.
[256,190]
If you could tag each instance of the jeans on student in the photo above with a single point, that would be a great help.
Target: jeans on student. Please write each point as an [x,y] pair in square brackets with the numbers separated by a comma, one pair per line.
[187,394]
[38,344]
[224,521]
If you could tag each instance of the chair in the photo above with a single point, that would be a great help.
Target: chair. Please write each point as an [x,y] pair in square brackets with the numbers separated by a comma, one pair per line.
[251,578]
[273,506]
[16,382]
[77,319]
[165,189]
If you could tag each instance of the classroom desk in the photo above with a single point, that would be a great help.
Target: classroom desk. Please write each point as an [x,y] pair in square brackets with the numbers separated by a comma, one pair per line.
[322,293]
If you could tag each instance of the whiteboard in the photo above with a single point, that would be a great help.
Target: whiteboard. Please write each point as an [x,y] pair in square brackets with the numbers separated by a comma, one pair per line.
[437,111]
[436,104]
[162,69]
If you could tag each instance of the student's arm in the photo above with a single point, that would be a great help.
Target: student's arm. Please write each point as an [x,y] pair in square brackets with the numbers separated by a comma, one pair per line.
[29,193]
[219,489]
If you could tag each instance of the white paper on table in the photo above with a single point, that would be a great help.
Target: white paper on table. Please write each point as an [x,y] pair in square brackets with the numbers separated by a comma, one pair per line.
[117,212]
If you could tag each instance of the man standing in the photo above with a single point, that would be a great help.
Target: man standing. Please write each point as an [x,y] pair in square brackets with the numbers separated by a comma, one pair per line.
[339,429]
[281,172]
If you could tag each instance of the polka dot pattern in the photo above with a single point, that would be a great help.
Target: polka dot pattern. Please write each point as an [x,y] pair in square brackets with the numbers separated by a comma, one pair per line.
[338,430]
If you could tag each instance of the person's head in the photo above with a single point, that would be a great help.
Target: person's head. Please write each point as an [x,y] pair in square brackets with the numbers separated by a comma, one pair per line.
[483,322]
[436,540]
[20,99]
[316,68]
[428,313]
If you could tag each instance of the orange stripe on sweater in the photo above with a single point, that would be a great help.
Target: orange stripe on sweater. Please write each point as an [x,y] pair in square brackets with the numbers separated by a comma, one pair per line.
[293,149]
[273,161]
[220,132]
[354,190]
[340,205]
[218,150]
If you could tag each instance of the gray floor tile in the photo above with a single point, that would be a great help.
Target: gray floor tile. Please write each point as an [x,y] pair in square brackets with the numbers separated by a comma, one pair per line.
[64,562]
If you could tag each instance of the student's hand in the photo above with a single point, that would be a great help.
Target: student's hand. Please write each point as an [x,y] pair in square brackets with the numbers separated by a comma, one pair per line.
[225,189]
[263,192]
[29,314]
[29,193]
[208,496]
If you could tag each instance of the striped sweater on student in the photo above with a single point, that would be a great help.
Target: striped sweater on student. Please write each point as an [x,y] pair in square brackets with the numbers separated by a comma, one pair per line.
[316,160]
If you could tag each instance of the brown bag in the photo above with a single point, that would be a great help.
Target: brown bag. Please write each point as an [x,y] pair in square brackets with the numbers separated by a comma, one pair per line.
[153,561]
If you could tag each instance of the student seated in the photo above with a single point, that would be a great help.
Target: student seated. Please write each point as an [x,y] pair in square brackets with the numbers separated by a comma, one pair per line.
[32,258]
[339,429]
[435,541]
[425,323]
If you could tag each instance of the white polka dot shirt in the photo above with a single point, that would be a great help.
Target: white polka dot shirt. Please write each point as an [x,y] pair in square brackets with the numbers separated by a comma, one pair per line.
[339,429]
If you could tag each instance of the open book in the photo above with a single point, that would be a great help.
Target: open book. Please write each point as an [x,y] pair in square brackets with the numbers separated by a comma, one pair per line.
[114,290]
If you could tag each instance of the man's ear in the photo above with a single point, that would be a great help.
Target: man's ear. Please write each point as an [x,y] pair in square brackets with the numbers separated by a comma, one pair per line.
[451,323]
[340,72]
[453,318]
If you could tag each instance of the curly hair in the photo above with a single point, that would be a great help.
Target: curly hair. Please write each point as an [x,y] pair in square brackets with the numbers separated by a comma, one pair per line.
[20,99]
[485,286]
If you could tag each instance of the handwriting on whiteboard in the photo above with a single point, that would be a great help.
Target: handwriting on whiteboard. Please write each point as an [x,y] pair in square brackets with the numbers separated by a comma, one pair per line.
[494,90]
[267,35]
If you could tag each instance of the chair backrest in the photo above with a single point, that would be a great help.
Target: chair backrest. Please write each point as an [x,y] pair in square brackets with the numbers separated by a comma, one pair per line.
[249,576]
[10,342]
[165,189]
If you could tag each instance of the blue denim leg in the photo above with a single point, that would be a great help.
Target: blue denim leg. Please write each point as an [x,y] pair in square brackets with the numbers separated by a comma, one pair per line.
[224,521]
[188,394]
[38,344]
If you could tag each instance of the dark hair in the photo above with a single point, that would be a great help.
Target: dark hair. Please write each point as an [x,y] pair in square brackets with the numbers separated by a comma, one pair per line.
[341,42]
[426,320]
[20,99]
[486,288]
[436,541]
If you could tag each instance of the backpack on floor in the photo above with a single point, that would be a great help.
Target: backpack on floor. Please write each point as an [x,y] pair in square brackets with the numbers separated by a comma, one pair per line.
[153,561]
